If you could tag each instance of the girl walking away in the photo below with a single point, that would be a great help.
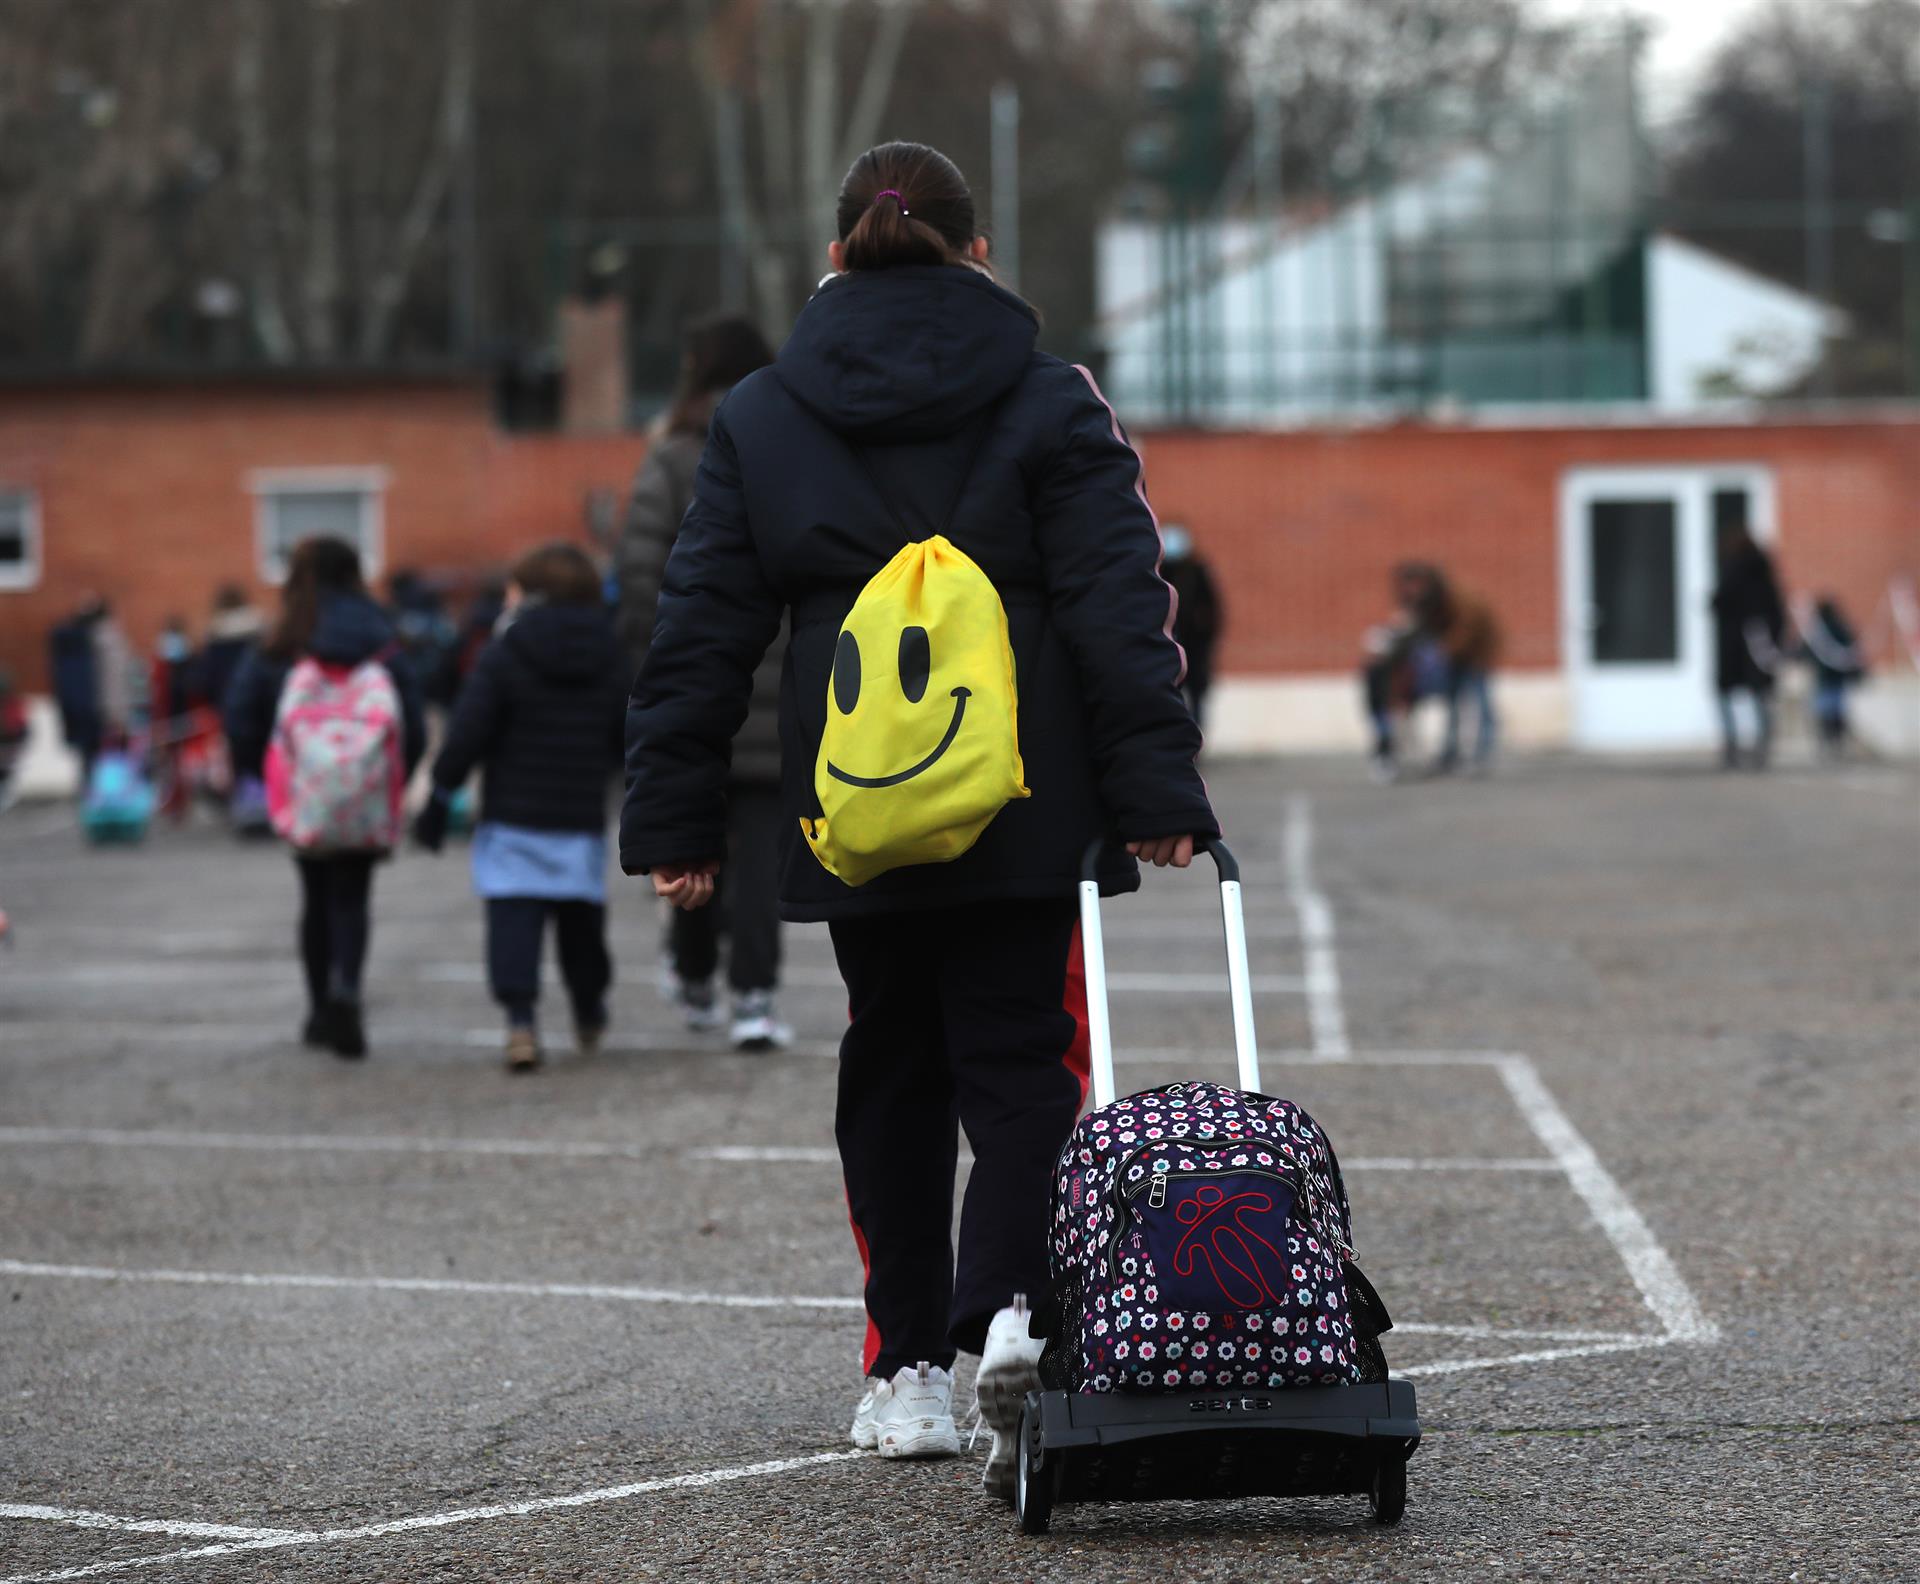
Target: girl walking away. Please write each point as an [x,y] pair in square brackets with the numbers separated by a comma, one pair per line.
[720,352]
[541,716]
[980,682]
[328,713]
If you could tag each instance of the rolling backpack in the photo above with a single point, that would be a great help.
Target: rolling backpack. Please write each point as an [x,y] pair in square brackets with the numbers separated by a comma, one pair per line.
[921,747]
[334,772]
[1200,1235]
[119,799]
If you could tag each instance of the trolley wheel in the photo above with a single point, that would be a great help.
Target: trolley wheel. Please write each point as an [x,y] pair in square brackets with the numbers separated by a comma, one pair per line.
[1388,1498]
[1033,1488]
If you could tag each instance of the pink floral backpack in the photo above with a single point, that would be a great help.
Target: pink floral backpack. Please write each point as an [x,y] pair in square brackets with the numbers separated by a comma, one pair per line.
[334,771]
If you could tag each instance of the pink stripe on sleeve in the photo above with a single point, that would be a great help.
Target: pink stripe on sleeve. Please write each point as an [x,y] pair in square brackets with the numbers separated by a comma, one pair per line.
[1140,489]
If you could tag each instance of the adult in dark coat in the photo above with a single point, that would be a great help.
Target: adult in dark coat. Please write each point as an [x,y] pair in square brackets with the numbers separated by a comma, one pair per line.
[1749,623]
[910,400]
[720,352]
[92,670]
[233,633]
[1198,617]
[328,615]
[541,715]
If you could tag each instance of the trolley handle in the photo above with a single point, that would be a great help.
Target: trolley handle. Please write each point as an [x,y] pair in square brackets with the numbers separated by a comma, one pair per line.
[1239,977]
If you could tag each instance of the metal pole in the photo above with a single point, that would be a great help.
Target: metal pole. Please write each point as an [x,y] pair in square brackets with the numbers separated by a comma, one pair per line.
[1817,148]
[1266,210]
[1910,256]
[1006,181]
[463,250]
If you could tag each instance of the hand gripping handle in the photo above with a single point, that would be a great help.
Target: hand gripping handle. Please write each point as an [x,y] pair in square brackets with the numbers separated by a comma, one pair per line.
[1239,977]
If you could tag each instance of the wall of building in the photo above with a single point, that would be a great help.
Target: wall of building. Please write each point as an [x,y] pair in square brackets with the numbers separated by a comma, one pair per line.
[144,491]
[144,497]
[1304,527]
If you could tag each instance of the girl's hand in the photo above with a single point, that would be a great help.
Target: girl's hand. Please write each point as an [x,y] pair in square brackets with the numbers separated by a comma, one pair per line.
[686,886]
[1163,850]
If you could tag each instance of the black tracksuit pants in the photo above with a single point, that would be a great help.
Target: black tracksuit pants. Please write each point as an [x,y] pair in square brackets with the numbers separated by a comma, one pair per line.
[516,931]
[976,1016]
[336,896]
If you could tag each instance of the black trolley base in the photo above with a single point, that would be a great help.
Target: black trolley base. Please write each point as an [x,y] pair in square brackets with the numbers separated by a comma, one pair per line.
[1209,1446]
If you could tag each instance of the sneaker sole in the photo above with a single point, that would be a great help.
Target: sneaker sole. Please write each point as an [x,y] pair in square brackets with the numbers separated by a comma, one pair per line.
[1002,1394]
[941,1442]
[864,1437]
[996,1479]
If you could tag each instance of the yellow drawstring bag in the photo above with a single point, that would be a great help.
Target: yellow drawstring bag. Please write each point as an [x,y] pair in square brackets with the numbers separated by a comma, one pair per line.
[921,747]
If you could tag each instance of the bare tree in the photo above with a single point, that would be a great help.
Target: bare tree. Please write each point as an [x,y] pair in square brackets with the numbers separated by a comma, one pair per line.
[763,49]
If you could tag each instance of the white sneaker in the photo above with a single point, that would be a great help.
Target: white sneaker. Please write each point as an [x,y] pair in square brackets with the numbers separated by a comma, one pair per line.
[913,1414]
[696,1001]
[865,1432]
[755,1028]
[1009,1369]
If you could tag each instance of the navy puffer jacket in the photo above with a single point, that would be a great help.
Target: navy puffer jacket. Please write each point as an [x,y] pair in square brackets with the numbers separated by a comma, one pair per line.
[541,715]
[925,370]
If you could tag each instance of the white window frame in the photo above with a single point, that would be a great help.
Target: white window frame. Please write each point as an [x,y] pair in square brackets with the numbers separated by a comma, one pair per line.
[370,483]
[24,574]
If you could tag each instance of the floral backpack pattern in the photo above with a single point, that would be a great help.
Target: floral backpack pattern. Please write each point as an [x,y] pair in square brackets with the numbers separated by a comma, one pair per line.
[1201,1239]
[334,774]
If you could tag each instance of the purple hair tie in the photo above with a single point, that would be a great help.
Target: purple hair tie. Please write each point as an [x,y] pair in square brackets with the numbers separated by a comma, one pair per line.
[894,194]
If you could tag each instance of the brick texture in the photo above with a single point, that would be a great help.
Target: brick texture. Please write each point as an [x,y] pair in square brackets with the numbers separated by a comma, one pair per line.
[144,491]
[1304,527]
[143,494]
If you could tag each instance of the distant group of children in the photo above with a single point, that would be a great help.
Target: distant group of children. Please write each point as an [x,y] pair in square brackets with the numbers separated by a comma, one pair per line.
[1442,642]
[325,712]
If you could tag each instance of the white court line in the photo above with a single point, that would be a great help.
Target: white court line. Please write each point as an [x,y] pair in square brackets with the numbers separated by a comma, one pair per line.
[1325,1012]
[1652,1270]
[65,823]
[577,1149]
[425,1284]
[274,1540]
[824,1156]
[81,1518]
[330,1143]
[1542,1356]
[264,975]
[660,1295]
[663,1295]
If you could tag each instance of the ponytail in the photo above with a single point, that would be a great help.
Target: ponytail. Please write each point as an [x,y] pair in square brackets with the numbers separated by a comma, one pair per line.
[903,204]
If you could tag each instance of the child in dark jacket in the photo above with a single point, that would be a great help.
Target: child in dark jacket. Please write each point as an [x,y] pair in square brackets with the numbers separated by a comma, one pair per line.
[910,396]
[541,715]
[326,616]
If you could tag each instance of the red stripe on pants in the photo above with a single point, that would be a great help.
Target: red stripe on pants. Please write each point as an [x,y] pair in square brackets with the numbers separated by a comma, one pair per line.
[1079,1056]
[870,1349]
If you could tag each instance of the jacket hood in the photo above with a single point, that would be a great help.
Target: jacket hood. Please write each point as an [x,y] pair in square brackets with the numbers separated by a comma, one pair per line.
[351,628]
[906,354]
[567,642]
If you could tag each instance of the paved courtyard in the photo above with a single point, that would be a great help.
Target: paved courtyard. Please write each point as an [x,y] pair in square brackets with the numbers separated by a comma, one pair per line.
[1623,1062]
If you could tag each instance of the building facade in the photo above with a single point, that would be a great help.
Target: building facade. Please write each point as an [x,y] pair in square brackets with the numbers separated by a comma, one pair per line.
[153,494]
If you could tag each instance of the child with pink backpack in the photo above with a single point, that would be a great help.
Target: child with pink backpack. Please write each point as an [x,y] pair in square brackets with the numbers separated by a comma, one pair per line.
[328,713]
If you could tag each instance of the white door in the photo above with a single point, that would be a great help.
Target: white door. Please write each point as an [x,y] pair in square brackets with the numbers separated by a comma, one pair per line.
[1636,578]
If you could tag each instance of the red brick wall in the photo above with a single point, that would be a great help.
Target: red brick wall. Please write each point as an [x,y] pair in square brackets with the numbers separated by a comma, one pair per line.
[144,491]
[144,498]
[1304,527]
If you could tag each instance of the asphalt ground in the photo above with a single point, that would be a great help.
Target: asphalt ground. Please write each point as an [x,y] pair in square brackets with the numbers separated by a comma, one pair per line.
[1621,1060]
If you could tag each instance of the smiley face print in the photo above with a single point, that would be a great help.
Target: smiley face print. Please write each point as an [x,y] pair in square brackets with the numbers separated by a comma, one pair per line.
[912,673]
[920,747]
